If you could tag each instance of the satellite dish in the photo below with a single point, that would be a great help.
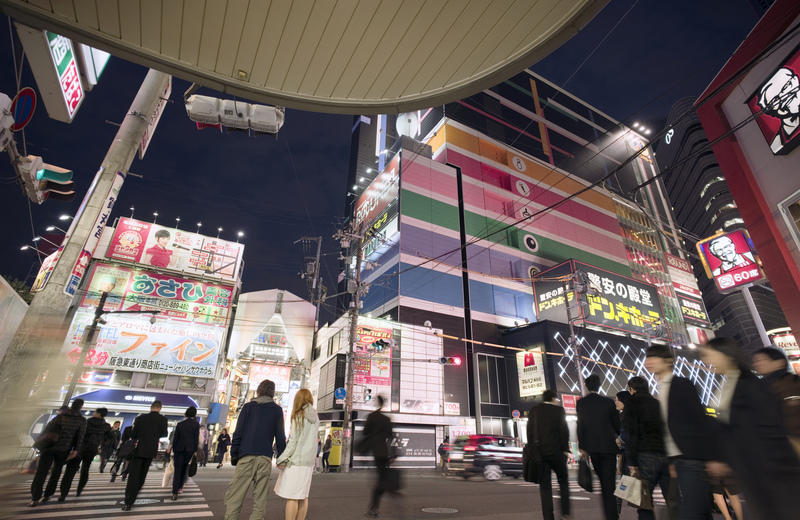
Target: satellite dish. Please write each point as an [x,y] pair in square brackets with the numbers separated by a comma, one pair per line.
[428,324]
[407,124]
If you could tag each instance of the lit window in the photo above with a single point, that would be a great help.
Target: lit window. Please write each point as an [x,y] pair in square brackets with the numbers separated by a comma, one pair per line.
[709,184]
[732,222]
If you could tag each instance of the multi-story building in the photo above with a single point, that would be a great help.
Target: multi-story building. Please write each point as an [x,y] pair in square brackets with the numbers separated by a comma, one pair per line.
[703,205]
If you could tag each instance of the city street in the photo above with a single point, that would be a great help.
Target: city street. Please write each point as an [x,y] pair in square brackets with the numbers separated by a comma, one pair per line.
[426,495]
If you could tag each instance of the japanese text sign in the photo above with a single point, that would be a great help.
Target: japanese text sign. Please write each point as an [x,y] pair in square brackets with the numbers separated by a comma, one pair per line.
[379,195]
[170,248]
[729,259]
[373,369]
[279,374]
[693,311]
[530,371]
[67,70]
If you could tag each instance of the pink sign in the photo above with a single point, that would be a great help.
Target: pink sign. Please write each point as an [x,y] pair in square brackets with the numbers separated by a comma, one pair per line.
[279,374]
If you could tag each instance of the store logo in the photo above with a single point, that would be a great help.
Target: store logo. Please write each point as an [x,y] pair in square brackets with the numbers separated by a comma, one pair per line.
[530,243]
[668,137]
[523,188]
[528,360]
[519,164]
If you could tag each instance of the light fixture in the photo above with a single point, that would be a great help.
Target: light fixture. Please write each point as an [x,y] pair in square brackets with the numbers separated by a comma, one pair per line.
[23,248]
[369,170]
[647,132]
[155,216]
[355,187]
[64,217]
[50,228]
[362,179]
[131,208]
[636,124]
[240,234]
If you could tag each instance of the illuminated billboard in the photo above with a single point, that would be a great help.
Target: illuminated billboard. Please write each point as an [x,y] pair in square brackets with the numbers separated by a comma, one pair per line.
[530,370]
[372,370]
[379,200]
[175,249]
[776,103]
[729,259]
[278,374]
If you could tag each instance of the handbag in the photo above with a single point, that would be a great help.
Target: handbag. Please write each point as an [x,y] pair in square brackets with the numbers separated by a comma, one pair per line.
[585,478]
[391,480]
[635,492]
[168,472]
[192,471]
[532,457]
[49,437]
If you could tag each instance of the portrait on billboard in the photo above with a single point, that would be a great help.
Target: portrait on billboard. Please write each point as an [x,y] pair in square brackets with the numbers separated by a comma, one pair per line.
[778,101]
[729,259]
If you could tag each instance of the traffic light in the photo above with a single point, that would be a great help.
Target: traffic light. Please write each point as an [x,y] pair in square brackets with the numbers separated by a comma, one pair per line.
[452,361]
[380,345]
[44,181]
[367,395]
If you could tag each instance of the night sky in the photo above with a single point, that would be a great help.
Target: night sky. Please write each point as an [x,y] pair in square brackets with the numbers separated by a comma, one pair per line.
[276,190]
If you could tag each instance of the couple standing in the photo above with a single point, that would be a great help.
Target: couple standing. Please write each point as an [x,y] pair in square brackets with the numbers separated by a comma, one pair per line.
[260,424]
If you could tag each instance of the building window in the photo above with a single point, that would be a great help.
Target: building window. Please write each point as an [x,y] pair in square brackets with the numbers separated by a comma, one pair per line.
[122,378]
[716,196]
[732,222]
[192,384]
[790,208]
[709,184]
[156,380]
[493,382]
[333,344]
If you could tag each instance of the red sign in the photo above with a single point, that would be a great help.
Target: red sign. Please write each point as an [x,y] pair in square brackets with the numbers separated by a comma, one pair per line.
[777,101]
[730,260]
[570,403]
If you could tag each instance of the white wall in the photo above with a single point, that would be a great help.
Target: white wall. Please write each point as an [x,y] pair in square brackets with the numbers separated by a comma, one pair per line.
[12,310]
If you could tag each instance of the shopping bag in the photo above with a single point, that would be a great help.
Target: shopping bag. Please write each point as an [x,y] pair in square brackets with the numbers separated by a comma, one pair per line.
[192,471]
[585,479]
[630,490]
[531,464]
[392,481]
[168,472]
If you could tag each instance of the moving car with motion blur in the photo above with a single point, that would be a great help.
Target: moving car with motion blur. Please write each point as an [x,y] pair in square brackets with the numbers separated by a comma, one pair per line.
[489,455]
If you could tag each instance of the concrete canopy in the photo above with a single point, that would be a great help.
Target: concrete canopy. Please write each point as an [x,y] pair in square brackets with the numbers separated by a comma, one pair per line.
[338,56]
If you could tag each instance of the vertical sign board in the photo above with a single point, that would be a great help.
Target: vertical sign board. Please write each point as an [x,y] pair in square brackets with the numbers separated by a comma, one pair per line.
[156,117]
[530,371]
[54,65]
[693,309]
[729,259]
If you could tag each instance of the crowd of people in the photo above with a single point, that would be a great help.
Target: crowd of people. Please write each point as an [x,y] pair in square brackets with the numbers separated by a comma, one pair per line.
[664,436]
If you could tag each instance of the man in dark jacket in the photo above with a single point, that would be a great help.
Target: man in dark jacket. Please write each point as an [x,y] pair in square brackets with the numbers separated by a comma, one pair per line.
[645,442]
[772,365]
[687,436]
[184,445]
[260,424]
[110,445]
[122,464]
[548,432]
[147,430]
[97,432]
[598,428]
[378,437]
[69,428]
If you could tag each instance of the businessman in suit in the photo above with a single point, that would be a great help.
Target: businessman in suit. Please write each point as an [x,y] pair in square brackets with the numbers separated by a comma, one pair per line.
[598,428]
[147,430]
[184,446]
[548,432]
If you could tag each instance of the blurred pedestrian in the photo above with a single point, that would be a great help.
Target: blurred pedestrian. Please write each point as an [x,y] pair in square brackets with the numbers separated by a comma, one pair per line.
[183,448]
[749,429]
[721,487]
[64,437]
[146,432]
[620,401]
[98,432]
[297,460]
[202,443]
[772,365]
[687,436]
[647,455]
[124,451]
[548,432]
[326,453]
[598,428]
[260,424]
[444,447]
[223,441]
[109,445]
[378,436]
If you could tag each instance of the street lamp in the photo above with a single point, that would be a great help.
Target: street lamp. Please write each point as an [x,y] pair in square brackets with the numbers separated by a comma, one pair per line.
[239,234]
[36,239]
[64,217]
[53,228]
[28,246]
[199,225]
[177,222]
[219,230]
[131,208]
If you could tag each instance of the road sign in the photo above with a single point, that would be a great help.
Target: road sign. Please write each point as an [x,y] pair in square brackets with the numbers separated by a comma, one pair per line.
[340,393]
[23,107]
[515,414]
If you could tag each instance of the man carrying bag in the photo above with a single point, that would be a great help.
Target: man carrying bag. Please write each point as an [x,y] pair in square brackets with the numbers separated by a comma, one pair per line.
[548,448]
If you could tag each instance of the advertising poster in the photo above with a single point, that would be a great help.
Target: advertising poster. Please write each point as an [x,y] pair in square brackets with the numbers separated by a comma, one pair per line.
[372,368]
[729,259]
[48,264]
[777,103]
[693,311]
[682,275]
[279,374]
[549,290]
[170,248]
[530,371]
[376,200]
[415,445]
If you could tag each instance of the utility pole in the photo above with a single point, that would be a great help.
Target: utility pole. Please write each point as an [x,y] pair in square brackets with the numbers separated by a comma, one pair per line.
[347,439]
[576,348]
[316,285]
[36,344]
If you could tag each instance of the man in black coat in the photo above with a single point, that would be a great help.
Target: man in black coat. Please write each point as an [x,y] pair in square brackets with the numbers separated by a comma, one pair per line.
[184,445]
[688,437]
[110,444]
[122,462]
[598,428]
[378,437]
[147,430]
[97,432]
[549,434]
[68,429]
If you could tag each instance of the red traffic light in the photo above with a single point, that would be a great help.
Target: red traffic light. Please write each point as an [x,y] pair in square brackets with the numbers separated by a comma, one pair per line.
[456,361]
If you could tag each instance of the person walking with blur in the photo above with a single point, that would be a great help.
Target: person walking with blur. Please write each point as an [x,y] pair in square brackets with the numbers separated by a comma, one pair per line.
[98,431]
[109,445]
[599,426]
[64,438]
[260,425]
[223,441]
[646,452]
[687,433]
[124,451]
[620,401]
[378,435]
[183,448]
[548,432]
[749,428]
[444,447]
[146,432]
[202,446]
[297,460]
[772,365]
[326,454]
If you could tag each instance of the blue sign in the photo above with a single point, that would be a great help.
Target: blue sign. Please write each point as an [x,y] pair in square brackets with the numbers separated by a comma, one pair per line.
[23,107]
[110,396]
[339,393]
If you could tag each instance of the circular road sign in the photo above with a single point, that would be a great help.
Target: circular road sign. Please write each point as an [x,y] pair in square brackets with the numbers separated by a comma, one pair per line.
[515,414]
[22,108]
[340,393]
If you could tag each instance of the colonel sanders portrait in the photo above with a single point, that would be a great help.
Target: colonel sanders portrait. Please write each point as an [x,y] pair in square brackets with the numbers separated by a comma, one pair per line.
[780,97]
[725,250]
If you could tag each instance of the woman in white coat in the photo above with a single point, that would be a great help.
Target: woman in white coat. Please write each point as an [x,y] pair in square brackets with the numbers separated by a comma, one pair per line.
[297,460]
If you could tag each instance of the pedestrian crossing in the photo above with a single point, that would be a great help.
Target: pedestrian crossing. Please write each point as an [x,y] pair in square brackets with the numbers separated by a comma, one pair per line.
[103,499]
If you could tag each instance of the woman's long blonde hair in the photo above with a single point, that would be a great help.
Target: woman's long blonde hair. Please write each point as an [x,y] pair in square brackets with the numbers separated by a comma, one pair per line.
[301,399]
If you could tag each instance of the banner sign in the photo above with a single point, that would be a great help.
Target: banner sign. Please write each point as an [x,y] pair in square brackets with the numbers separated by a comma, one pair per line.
[372,369]
[170,248]
[382,192]
[729,259]
[694,311]
[682,275]
[530,370]
[279,374]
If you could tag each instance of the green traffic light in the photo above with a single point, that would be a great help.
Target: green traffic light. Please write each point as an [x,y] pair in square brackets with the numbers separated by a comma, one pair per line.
[54,174]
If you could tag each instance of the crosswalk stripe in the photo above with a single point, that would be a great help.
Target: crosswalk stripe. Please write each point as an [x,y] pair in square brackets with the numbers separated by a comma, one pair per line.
[89,503]
[54,514]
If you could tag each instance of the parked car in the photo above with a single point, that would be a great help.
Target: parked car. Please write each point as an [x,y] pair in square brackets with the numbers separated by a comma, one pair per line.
[489,455]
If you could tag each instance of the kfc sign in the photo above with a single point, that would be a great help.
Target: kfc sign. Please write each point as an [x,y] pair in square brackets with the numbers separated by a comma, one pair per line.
[729,259]
[776,105]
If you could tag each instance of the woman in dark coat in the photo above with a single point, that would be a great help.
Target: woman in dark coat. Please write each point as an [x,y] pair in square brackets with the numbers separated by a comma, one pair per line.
[751,437]
[223,441]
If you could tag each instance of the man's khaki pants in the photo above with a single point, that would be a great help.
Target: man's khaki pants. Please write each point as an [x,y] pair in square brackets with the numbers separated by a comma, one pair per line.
[254,469]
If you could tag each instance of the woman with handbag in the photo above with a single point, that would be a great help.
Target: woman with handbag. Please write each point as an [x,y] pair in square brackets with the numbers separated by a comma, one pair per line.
[297,460]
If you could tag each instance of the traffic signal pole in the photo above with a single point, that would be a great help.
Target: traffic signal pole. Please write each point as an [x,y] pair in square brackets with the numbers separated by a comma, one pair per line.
[36,347]
[347,438]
